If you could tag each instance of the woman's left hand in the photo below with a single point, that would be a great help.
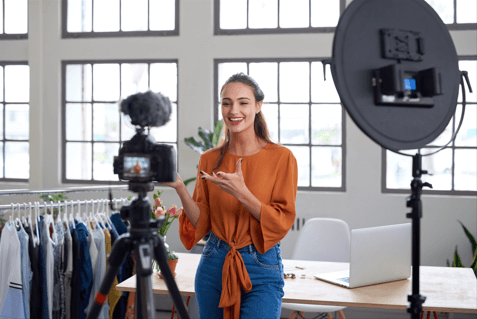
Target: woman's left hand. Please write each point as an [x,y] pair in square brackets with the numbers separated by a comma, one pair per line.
[232,183]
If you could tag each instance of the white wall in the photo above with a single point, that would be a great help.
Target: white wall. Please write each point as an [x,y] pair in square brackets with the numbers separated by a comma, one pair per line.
[362,205]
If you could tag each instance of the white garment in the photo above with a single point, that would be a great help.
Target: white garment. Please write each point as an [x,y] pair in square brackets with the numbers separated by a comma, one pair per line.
[93,251]
[11,289]
[50,262]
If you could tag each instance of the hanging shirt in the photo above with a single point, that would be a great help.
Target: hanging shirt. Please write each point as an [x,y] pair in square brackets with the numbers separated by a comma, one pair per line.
[47,263]
[271,175]
[68,271]
[11,289]
[26,269]
[59,310]
[100,272]
[35,286]
[84,269]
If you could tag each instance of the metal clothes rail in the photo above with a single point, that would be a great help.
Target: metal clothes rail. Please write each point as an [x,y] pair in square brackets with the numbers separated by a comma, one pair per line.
[86,189]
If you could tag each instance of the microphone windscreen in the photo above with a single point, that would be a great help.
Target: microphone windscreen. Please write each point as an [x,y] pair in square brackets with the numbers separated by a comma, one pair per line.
[147,109]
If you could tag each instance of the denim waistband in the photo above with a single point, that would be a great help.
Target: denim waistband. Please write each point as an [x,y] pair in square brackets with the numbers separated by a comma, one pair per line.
[219,243]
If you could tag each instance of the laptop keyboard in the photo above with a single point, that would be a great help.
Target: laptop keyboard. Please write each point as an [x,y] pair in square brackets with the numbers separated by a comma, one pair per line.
[345,279]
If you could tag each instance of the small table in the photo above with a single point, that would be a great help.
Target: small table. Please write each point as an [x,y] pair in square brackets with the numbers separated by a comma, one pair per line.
[446,289]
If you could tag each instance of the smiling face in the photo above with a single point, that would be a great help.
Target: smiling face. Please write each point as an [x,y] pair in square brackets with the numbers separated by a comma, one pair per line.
[239,107]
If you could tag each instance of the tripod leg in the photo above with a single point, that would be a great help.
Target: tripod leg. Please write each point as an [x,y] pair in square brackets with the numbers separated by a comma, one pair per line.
[120,250]
[160,255]
[144,301]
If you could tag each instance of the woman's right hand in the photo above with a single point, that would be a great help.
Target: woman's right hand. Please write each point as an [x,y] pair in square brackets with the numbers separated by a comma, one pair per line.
[175,184]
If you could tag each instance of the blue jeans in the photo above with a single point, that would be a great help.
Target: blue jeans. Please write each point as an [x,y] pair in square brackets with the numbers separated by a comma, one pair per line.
[264,301]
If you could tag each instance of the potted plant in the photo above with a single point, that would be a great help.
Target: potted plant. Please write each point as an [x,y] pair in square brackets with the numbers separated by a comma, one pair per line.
[171,214]
[209,141]
[457,262]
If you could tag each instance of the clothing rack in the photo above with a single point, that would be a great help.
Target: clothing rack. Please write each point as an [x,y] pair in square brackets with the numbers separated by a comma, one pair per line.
[86,189]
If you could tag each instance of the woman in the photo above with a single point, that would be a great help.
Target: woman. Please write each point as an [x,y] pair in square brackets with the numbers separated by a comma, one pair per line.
[246,197]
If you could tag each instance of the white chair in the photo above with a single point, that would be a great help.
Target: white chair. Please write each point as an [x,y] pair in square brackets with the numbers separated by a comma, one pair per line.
[321,239]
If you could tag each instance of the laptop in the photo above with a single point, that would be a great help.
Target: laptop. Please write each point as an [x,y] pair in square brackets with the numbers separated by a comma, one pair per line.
[377,255]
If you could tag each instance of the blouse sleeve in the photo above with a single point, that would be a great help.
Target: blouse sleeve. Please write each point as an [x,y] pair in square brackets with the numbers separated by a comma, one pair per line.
[188,234]
[277,216]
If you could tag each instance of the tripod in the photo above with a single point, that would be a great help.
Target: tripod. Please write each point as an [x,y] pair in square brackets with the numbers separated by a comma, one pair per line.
[143,239]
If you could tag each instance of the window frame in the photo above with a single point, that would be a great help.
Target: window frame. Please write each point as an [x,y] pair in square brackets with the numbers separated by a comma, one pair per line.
[3,139]
[459,26]
[342,188]
[64,64]
[277,30]
[451,146]
[115,34]
[15,36]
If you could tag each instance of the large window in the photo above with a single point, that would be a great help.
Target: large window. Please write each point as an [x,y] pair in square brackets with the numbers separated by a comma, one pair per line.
[112,18]
[93,127]
[14,121]
[454,168]
[13,19]
[457,14]
[303,112]
[276,16]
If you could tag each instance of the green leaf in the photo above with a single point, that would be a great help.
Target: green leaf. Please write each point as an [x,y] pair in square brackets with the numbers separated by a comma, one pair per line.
[457,262]
[189,180]
[217,130]
[199,147]
[154,196]
[206,135]
[471,238]
[474,263]
[448,265]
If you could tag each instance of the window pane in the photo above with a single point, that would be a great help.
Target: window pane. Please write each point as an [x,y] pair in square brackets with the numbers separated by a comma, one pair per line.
[106,15]
[106,82]
[16,16]
[467,135]
[294,82]
[1,159]
[466,11]
[106,122]
[302,155]
[168,132]
[325,13]
[326,166]
[127,129]
[78,122]
[294,14]
[233,14]
[103,161]
[471,67]
[78,82]
[294,119]
[444,137]
[17,119]
[263,14]
[444,8]
[164,79]
[270,112]
[134,79]
[17,83]
[1,79]
[1,123]
[465,170]
[17,160]
[321,90]
[266,75]
[162,15]
[78,161]
[80,15]
[226,70]
[326,124]
[133,15]
[399,169]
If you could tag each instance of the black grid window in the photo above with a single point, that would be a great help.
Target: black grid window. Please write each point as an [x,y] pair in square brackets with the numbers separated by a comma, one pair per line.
[119,18]
[14,121]
[454,168]
[13,19]
[93,127]
[276,16]
[456,14]
[303,112]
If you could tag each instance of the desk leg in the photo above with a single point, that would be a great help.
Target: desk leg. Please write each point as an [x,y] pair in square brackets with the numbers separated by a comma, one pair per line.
[296,315]
[341,314]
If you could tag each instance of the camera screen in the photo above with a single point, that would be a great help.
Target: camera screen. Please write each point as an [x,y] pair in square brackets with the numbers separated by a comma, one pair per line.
[136,167]
[410,84]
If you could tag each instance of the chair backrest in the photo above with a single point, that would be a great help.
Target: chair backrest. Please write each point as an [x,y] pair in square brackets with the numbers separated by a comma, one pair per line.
[323,239]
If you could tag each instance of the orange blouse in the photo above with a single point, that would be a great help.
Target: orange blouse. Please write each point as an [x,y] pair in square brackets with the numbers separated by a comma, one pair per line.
[271,175]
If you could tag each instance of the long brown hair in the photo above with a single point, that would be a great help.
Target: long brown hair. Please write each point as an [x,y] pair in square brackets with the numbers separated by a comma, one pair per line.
[259,126]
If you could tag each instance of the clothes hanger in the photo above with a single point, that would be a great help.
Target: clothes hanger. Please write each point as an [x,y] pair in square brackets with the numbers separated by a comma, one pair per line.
[31,227]
[37,224]
[72,220]
[52,224]
[24,218]
[18,221]
[106,215]
[78,213]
